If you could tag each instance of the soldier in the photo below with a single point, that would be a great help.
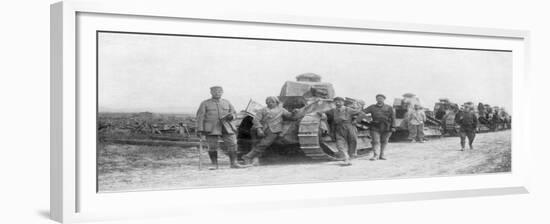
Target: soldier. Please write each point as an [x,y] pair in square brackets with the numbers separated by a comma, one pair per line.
[343,129]
[268,125]
[466,121]
[481,109]
[416,120]
[506,119]
[214,121]
[495,120]
[381,127]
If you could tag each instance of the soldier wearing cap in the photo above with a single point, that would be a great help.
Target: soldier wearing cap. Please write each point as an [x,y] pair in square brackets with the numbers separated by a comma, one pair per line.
[343,128]
[381,126]
[466,121]
[214,118]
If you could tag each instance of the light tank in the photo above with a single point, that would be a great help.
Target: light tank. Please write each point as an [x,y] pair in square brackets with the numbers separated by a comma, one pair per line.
[308,133]
[403,107]
[445,112]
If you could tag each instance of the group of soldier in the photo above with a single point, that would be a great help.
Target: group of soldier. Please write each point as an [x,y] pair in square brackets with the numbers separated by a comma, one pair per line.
[214,118]
[494,116]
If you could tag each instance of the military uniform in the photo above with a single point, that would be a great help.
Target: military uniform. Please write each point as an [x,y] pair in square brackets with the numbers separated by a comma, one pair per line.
[416,119]
[214,120]
[210,114]
[270,121]
[344,131]
[467,121]
[383,118]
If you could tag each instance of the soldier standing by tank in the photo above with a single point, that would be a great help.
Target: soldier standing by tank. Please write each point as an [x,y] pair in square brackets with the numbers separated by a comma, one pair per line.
[268,124]
[381,127]
[344,130]
[214,121]
[416,119]
[467,125]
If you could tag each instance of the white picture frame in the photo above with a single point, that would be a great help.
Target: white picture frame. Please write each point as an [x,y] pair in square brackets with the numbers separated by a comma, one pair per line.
[72,198]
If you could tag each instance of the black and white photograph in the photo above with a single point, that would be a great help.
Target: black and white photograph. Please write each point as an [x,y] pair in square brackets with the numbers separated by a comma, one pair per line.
[177,111]
[275,112]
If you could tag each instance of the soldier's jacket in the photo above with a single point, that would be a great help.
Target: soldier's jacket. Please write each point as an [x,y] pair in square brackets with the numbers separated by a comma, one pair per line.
[466,120]
[416,117]
[342,115]
[342,119]
[383,117]
[210,114]
[271,119]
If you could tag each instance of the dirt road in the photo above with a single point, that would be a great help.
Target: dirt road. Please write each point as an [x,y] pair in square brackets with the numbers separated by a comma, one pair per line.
[126,167]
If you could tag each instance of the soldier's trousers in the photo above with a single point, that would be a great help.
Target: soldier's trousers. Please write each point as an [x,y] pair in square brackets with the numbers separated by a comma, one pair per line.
[229,142]
[416,132]
[379,141]
[346,139]
[470,134]
[265,142]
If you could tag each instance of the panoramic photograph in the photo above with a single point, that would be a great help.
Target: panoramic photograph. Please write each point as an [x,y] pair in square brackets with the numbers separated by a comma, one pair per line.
[187,111]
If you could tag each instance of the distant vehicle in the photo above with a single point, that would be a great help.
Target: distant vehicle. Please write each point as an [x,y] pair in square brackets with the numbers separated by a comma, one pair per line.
[490,118]
[445,112]
[493,118]
[402,107]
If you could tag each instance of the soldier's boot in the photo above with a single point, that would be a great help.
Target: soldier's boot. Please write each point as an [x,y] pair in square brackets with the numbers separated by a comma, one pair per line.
[256,161]
[352,153]
[214,159]
[233,160]
[374,156]
[347,161]
[382,149]
[250,158]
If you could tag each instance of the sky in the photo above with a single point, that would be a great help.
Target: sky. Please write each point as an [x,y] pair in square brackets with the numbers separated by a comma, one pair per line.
[172,74]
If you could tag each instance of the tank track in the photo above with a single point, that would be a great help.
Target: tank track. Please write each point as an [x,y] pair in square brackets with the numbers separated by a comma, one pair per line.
[308,136]
[317,147]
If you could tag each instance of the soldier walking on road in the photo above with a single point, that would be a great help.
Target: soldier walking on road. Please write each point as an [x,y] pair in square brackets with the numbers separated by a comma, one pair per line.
[344,131]
[466,121]
[268,124]
[214,121]
[381,127]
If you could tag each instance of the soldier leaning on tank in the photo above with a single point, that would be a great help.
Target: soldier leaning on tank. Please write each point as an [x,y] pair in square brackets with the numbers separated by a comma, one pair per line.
[467,124]
[268,123]
[214,121]
[381,126]
[344,130]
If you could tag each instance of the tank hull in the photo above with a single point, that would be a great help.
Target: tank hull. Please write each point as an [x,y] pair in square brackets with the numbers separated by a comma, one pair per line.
[303,137]
[307,133]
